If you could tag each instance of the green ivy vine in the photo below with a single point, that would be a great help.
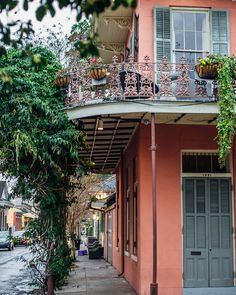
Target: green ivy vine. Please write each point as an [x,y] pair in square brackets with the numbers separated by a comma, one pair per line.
[226,118]
[226,73]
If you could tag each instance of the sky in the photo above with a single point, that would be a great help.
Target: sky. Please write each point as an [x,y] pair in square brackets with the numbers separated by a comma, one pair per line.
[64,17]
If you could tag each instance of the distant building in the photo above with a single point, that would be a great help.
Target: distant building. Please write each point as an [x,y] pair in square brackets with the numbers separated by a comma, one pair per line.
[5,205]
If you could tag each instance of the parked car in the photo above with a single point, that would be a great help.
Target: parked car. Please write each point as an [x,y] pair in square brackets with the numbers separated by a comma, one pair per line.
[20,238]
[6,241]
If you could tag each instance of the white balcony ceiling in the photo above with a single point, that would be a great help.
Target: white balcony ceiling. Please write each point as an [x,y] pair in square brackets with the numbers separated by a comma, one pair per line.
[113,27]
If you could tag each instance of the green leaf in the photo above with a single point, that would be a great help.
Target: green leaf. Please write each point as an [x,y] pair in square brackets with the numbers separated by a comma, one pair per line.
[41,12]
[51,10]
[26,5]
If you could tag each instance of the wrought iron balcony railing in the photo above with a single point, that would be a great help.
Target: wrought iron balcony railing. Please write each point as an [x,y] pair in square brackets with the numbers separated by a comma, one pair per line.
[142,80]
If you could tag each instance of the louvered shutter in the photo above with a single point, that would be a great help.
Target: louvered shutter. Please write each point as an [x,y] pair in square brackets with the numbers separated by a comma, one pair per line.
[162,33]
[219,32]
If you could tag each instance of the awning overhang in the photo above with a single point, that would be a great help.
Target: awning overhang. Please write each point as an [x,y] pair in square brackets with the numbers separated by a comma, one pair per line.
[121,119]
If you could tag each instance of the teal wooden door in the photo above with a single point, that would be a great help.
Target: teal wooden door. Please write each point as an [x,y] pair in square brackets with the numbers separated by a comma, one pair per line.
[208,251]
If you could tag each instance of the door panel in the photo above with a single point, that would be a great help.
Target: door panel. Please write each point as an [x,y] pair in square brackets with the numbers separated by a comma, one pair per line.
[208,254]
[195,234]
[220,234]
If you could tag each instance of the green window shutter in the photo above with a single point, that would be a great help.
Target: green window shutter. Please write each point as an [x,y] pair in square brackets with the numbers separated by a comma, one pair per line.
[131,46]
[162,33]
[219,32]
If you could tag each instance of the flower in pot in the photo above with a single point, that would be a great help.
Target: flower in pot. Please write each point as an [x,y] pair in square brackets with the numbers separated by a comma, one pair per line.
[63,77]
[97,69]
[207,68]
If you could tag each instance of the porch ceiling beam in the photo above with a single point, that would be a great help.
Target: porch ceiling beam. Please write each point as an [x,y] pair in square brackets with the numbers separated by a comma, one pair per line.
[119,139]
[105,142]
[94,138]
[110,129]
[111,133]
[212,120]
[179,118]
[112,140]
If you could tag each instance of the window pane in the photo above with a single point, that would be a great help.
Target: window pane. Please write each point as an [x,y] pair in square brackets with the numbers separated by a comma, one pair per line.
[190,40]
[201,22]
[189,21]
[190,57]
[199,41]
[179,40]
[178,21]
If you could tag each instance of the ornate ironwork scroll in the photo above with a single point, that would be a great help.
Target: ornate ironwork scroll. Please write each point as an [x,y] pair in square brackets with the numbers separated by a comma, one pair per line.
[200,88]
[114,78]
[131,78]
[164,72]
[183,88]
[146,83]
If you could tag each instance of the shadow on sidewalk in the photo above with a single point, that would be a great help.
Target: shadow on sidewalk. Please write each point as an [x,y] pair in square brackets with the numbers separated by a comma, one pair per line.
[95,277]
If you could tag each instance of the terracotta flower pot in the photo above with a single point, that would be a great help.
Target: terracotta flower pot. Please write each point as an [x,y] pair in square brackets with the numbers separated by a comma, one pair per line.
[98,73]
[207,71]
[62,81]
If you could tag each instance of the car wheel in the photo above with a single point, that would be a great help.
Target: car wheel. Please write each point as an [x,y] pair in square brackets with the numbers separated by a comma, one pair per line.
[10,248]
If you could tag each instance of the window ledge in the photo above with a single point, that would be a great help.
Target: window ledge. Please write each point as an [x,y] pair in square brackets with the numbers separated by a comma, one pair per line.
[127,253]
[134,258]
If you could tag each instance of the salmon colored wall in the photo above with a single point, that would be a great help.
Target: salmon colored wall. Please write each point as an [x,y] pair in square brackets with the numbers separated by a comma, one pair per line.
[145,10]
[171,139]
[131,267]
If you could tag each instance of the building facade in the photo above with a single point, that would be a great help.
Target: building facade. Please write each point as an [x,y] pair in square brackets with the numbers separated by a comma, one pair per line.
[157,132]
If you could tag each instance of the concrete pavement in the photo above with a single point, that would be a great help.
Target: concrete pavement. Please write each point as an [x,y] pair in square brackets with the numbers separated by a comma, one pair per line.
[95,277]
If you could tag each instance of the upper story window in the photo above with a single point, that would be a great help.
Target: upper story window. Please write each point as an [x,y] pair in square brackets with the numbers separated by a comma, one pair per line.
[191,33]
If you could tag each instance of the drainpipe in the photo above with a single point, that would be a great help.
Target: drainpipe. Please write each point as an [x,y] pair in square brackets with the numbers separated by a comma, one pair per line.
[122,200]
[154,284]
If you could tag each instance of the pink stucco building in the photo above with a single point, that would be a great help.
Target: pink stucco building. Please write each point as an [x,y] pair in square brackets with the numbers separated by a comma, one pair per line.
[152,121]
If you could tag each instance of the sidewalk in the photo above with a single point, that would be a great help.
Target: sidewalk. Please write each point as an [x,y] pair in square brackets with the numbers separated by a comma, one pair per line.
[94,277]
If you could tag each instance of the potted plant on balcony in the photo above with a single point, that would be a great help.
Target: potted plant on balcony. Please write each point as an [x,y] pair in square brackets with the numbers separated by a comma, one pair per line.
[207,68]
[97,70]
[63,78]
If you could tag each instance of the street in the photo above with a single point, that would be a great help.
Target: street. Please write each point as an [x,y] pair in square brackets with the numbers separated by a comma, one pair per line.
[14,277]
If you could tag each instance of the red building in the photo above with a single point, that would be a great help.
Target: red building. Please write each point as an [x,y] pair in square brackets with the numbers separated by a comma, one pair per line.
[152,121]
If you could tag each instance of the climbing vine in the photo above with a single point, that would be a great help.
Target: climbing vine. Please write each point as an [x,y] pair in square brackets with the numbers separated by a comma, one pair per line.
[226,118]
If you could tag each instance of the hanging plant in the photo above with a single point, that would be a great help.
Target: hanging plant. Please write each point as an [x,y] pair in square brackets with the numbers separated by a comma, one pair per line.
[226,72]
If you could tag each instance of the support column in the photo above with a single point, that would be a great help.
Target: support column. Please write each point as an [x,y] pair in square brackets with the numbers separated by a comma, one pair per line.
[154,284]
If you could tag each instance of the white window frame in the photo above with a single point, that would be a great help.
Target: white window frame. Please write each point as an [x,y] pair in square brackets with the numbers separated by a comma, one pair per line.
[190,10]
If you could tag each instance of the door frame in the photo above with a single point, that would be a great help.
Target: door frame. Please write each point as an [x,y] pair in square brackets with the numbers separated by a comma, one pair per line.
[230,175]
[207,176]
[109,216]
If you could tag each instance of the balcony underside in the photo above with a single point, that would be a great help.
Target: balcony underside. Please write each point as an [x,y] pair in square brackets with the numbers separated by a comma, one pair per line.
[113,27]
[105,146]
